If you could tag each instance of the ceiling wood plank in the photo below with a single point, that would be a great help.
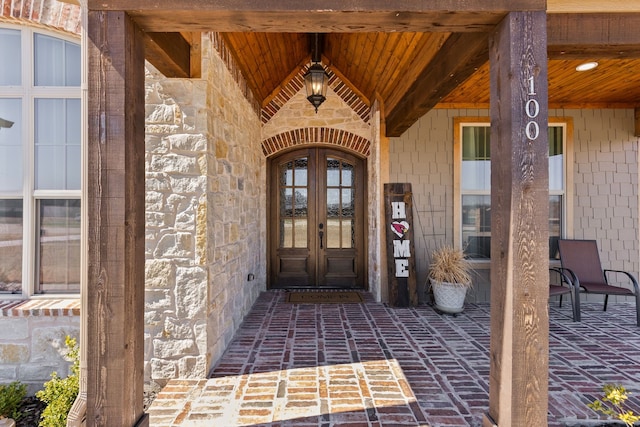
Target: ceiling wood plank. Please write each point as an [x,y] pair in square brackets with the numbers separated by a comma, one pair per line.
[293,74]
[401,60]
[347,82]
[596,35]
[377,74]
[375,41]
[170,53]
[424,53]
[459,57]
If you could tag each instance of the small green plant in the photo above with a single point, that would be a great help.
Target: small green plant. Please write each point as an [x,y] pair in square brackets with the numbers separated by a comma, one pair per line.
[11,395]
[613,404]
[60,393]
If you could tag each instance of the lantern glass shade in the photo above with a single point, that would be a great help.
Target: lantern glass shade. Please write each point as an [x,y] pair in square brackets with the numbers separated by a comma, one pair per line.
[316,82]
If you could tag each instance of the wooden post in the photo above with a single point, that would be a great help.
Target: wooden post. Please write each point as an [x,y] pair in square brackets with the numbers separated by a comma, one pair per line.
[401,261]
[519,222]
[116,203]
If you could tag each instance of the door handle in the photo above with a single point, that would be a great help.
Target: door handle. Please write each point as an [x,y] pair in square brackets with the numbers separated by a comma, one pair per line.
[321,233]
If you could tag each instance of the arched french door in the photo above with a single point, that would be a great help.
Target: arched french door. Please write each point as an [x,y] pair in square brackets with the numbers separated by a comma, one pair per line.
[316,219]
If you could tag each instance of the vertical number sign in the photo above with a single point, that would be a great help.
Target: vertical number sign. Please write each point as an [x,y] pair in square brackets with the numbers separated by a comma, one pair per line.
[532,109]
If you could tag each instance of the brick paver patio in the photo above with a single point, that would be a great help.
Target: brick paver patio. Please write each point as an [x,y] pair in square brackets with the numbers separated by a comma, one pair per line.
[357,365]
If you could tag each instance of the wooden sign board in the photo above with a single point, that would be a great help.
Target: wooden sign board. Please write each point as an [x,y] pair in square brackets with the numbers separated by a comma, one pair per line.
[401,263]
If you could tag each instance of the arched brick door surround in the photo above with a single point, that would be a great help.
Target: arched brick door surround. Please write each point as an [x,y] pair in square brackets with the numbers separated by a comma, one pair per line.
[316,135]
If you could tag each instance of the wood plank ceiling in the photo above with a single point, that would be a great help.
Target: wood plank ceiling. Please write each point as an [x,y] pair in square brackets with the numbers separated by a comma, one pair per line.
[388,64]
[412,61]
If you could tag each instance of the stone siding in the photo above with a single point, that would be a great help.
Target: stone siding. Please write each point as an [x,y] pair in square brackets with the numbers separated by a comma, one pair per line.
[205,228]
[334,113]
[32,343]
[605,184]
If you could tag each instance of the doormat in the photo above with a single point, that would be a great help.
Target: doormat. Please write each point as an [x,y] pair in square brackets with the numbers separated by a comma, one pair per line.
[324,297]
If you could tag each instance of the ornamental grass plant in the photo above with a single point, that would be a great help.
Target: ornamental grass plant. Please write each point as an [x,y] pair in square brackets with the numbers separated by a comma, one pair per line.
[449,265]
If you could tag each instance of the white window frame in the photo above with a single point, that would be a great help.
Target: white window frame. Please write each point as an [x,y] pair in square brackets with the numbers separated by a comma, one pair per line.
[28,93]
[567,211]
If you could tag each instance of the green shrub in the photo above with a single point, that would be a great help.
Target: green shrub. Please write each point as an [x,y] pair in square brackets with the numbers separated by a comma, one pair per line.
[60,393]
[11,395]
[612,404]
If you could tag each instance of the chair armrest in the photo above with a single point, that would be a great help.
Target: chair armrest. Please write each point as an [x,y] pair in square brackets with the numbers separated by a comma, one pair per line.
[567,276]
[632,279]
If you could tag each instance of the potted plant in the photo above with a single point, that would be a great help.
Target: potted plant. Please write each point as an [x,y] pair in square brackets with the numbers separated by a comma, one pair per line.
[450,278]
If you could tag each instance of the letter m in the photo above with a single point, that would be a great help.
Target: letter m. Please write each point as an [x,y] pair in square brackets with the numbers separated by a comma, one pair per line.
[401,249]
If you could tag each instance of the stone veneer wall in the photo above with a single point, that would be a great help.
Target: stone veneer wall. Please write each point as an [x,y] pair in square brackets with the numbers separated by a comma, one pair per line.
[605,181]
[32,342]
[334,113]
[205,218]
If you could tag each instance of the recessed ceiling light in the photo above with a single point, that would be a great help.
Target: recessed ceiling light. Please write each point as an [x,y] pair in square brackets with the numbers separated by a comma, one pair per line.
[587,66]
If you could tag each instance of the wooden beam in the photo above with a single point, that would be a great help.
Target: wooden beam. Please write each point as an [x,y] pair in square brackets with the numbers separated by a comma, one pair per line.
[116,204]
[595,35]
[397,6]
[195,41]
[170,53]
[460,56]
[636,122]
[317,15]
[518,383]
[592,6]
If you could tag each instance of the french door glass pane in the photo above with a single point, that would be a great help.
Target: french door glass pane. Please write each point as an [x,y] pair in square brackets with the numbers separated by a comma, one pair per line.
[348,229]
[10,52]
[293,203]
[300,232]
[57,141]
[11,245]
[333,172]
[59,245]
[10,144]
[56,62]
[340,204]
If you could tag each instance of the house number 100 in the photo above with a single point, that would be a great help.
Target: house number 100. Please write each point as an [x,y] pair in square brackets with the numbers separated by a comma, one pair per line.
[532,109]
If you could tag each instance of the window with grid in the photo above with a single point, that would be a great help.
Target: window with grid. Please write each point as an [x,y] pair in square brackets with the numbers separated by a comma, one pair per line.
[40,162]
[475,187]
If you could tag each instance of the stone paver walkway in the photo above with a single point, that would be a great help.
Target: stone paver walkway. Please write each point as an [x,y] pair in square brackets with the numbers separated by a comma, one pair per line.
[368,365]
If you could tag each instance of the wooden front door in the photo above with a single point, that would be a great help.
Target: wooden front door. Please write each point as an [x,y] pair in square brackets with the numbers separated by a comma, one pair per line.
[316,220]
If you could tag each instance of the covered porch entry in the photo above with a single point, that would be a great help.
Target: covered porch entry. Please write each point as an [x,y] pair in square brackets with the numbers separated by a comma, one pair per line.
[122,34]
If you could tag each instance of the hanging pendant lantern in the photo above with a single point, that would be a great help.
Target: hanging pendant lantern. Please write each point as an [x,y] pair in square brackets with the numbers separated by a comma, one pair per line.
[316,80]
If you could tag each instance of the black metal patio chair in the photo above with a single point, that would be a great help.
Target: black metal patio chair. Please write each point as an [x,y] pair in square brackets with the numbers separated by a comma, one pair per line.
[581,260]
[561,285]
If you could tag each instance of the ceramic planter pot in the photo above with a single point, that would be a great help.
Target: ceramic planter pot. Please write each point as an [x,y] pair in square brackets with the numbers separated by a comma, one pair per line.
[449,297]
